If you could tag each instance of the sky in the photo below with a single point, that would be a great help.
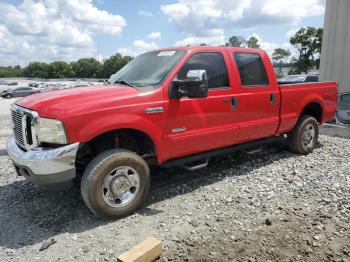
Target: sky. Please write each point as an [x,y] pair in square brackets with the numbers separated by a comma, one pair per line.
[49,30]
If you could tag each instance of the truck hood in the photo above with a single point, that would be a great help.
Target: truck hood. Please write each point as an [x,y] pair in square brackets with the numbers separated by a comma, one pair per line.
[54,103]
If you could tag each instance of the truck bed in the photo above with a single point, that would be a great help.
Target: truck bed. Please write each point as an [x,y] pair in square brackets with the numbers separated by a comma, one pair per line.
[295,97]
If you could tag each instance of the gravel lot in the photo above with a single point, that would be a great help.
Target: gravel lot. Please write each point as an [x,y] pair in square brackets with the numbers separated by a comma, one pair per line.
[270,206]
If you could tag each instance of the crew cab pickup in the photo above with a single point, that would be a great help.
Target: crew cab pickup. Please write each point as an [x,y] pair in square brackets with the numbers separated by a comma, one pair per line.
[169,107]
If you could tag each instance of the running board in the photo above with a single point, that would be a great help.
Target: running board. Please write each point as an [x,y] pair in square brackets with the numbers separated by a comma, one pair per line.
[254,151]
[216,152]
[196,167]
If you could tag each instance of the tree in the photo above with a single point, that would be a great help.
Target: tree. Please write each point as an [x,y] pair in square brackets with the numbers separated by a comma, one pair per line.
[236,41]
[87,68]
[9,71]
[37,69]
[114,64]
[317,45]
[253,42]
[60,69]
[280,56]
[308,42]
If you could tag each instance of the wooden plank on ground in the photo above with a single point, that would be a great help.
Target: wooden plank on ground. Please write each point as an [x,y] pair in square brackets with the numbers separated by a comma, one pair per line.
[147,251]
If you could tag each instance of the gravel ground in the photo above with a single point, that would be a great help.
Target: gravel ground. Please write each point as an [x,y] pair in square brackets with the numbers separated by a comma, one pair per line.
[270,206]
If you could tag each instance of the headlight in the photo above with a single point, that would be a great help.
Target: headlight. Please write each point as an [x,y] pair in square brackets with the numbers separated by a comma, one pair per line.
[51,131]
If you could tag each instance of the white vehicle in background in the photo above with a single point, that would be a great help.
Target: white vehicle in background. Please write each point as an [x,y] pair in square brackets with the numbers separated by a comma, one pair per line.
[40,87]
[343,109]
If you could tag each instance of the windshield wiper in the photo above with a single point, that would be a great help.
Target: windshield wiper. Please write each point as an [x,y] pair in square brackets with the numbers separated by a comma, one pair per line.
[124,83]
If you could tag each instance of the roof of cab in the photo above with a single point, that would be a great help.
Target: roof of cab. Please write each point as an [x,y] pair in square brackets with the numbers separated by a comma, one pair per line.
[213,48]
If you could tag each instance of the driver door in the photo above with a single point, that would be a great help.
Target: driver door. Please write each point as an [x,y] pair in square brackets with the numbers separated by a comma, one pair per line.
[202,124]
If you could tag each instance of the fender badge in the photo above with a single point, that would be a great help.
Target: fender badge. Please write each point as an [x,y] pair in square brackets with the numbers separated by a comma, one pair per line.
[179,129]
[154,110]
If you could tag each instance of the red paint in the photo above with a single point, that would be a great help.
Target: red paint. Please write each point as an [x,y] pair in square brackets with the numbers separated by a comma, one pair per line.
[210,122]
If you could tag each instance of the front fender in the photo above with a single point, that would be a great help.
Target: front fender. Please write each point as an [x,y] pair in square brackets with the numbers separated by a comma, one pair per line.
[89,129]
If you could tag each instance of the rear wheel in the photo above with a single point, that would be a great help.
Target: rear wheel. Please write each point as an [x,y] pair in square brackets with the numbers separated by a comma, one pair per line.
[115,183]
[304,136]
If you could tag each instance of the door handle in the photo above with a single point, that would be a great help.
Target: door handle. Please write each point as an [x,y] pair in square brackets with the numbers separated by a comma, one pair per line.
[272,99]
[234,102]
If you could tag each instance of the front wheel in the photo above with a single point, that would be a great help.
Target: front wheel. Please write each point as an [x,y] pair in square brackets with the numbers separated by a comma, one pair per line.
[115,183]
[8,96]
[304,136]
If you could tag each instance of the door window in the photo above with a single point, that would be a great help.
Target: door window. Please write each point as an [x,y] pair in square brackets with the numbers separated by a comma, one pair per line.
[251,69]
[214,65]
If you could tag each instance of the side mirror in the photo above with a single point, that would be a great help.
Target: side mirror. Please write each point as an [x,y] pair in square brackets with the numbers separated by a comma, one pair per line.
[194,86]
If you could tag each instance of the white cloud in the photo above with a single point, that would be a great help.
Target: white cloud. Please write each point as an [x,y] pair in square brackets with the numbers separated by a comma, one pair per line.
[202,19]
[295,9]
[145,13]
[138,47]
[292,32]
[155,35]
[176,11]
[269,47]
[54,29]
[217,37]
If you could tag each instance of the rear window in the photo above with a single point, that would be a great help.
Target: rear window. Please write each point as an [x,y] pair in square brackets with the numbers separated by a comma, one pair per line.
[251,69]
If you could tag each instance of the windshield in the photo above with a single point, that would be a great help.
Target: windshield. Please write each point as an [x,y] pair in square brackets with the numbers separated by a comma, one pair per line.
[148,69]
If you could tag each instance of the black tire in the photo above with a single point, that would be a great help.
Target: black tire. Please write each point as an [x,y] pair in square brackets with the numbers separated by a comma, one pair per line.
[94,178]
[8,96]
[296,139]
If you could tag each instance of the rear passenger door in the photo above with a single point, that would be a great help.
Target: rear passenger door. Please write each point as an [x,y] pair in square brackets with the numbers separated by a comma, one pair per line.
[258,98]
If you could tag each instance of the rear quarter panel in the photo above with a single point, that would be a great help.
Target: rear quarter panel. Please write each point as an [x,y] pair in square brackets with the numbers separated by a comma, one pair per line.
[295,97]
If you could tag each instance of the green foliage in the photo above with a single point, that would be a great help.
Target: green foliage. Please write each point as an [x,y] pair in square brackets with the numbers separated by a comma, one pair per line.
[9,71]
[240,41]
[253,42]
[236,41]
[114,64]
[280,55]
[37,69]
[308,42]
[60,69]
[83,68]
[87,67]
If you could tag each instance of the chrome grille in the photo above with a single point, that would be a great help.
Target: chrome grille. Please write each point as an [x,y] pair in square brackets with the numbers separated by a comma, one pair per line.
[17,120]
[24,122]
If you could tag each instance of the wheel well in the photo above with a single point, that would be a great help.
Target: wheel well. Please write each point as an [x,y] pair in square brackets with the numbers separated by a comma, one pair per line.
[129,139]
[313,109]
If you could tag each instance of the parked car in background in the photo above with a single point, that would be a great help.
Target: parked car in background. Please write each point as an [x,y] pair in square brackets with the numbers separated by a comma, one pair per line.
[40,87]
[18,92]
[8,82]
[293,79]
[343,110]
[12,83]
[81,85]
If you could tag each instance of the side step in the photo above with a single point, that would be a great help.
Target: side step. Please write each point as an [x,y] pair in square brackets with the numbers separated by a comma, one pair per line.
[196,167]
[253,151]
[216,152]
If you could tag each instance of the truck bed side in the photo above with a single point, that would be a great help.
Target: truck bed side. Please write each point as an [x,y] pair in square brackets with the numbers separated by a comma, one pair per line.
[320,97]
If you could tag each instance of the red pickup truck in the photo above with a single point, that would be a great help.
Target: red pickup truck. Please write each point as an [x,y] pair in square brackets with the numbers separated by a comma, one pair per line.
[169,107]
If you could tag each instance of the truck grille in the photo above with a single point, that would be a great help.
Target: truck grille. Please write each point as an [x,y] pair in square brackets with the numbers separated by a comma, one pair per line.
[17,120]
[24,121]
